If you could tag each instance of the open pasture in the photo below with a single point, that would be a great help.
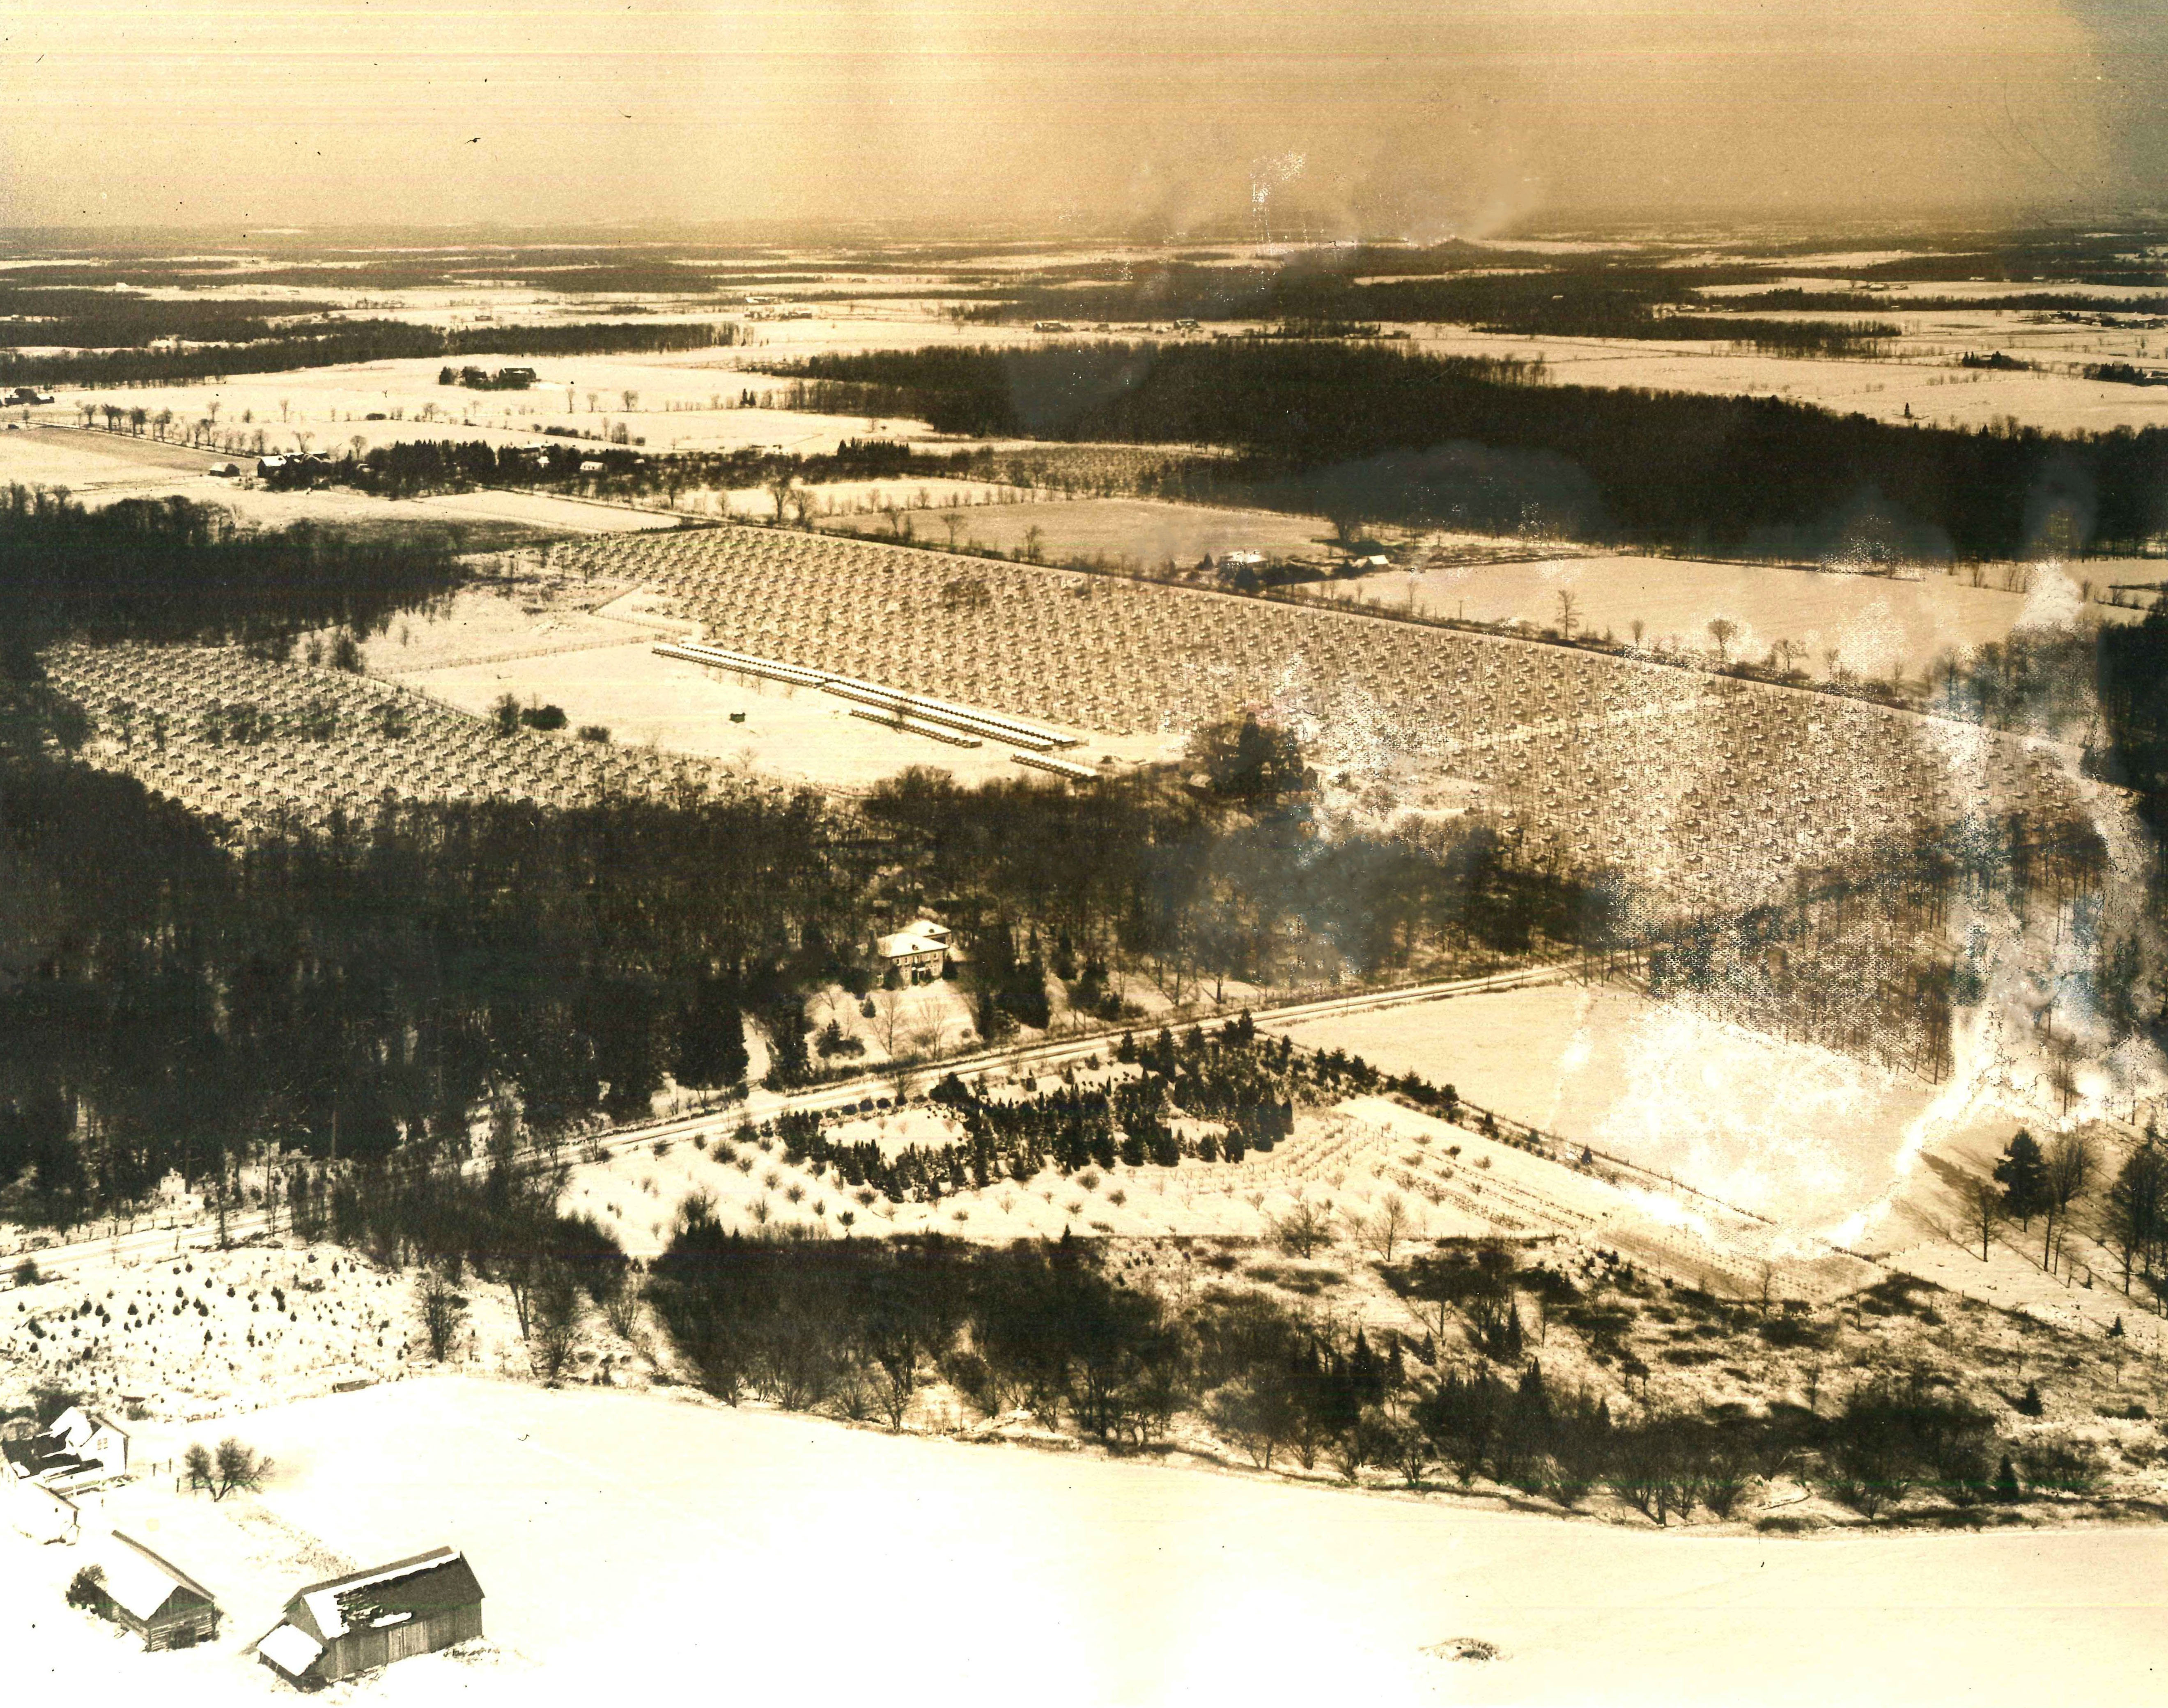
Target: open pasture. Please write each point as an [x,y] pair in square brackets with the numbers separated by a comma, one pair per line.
[1135,533]
[719,1520]
[1875,627]
[1927,379]
[98,468]
[1713,791]
[1790,1131]
[673,399]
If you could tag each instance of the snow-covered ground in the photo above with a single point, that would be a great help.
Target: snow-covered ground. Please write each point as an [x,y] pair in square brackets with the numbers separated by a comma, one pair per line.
[632,1540]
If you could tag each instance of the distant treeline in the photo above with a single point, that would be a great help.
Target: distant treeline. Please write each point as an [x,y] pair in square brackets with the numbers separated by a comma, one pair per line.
[335,344]
[1335,428]
[77,319]
[1609,301]
[409,466]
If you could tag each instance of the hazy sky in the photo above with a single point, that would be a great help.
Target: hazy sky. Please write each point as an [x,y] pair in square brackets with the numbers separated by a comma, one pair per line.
[1412,120]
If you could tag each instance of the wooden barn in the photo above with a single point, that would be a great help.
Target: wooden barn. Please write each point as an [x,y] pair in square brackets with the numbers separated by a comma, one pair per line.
[155,1599]
[373,1618]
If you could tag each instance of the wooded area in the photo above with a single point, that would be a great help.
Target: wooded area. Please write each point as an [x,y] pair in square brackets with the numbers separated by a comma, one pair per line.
[1329,428]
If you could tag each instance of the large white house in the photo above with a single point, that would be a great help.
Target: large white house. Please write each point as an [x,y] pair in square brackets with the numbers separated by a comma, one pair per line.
[922,946]
[81,1449]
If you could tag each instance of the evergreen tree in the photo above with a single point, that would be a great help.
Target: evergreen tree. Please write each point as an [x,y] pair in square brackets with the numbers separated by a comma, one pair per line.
[2022,1175]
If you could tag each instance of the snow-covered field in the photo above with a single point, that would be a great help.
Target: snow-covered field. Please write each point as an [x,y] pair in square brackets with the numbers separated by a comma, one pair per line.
[625,1541]
[1867,626]
[1791,1131]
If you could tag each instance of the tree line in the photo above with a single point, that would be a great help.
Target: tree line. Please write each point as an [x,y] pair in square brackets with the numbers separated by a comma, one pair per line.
[1054,1329]
[407,467]
[168,569]
[1420,438]
[333,343]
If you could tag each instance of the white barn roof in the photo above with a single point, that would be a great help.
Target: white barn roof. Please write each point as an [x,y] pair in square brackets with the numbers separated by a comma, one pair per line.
[141,1583]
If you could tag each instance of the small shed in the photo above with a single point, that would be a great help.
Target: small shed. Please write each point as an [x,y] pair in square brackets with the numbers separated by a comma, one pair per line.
[370,1619]
[155,1599]
[42,1514]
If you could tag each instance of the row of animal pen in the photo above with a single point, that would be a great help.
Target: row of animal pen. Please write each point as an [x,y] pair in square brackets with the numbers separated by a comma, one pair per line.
[258,742]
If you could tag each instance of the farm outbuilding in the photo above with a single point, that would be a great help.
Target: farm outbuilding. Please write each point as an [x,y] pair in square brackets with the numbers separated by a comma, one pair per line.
[155,1599]
[370,1619]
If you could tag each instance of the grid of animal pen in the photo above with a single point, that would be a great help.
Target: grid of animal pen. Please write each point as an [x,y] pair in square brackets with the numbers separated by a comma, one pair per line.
[261,743]
[1703,792]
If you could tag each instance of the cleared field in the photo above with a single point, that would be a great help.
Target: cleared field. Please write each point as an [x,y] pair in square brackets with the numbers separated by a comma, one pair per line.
[1925,378]
[1099,1581]
[1871,626]
[100,468]
[1803,1135]
[680,399]
[1711,791]
[1134,532]
[673,706]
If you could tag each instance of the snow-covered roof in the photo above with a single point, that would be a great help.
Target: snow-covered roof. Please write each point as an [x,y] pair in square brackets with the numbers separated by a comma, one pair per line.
[290,1649]
[912,942]
[141,1583]
[75,1427]
[922,936]
[327,1606]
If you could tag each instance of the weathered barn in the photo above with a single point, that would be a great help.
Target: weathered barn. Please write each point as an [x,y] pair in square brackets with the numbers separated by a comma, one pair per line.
[370,1619]
[155,1599]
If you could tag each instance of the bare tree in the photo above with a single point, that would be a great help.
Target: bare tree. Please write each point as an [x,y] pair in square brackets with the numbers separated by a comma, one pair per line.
[1033,539]
[1568,604]
[1392,1222]
[779,487]
[630,400]
[1722,630]
[2071,1160]
[1303,1230]
[1986,1213]
[889,1016]
[233,1466]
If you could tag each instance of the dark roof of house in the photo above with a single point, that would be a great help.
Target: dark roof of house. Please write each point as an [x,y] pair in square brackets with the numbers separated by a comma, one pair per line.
[425,1585]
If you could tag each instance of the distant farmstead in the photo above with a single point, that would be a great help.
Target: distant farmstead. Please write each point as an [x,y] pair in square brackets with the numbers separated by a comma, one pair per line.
[370,1619]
